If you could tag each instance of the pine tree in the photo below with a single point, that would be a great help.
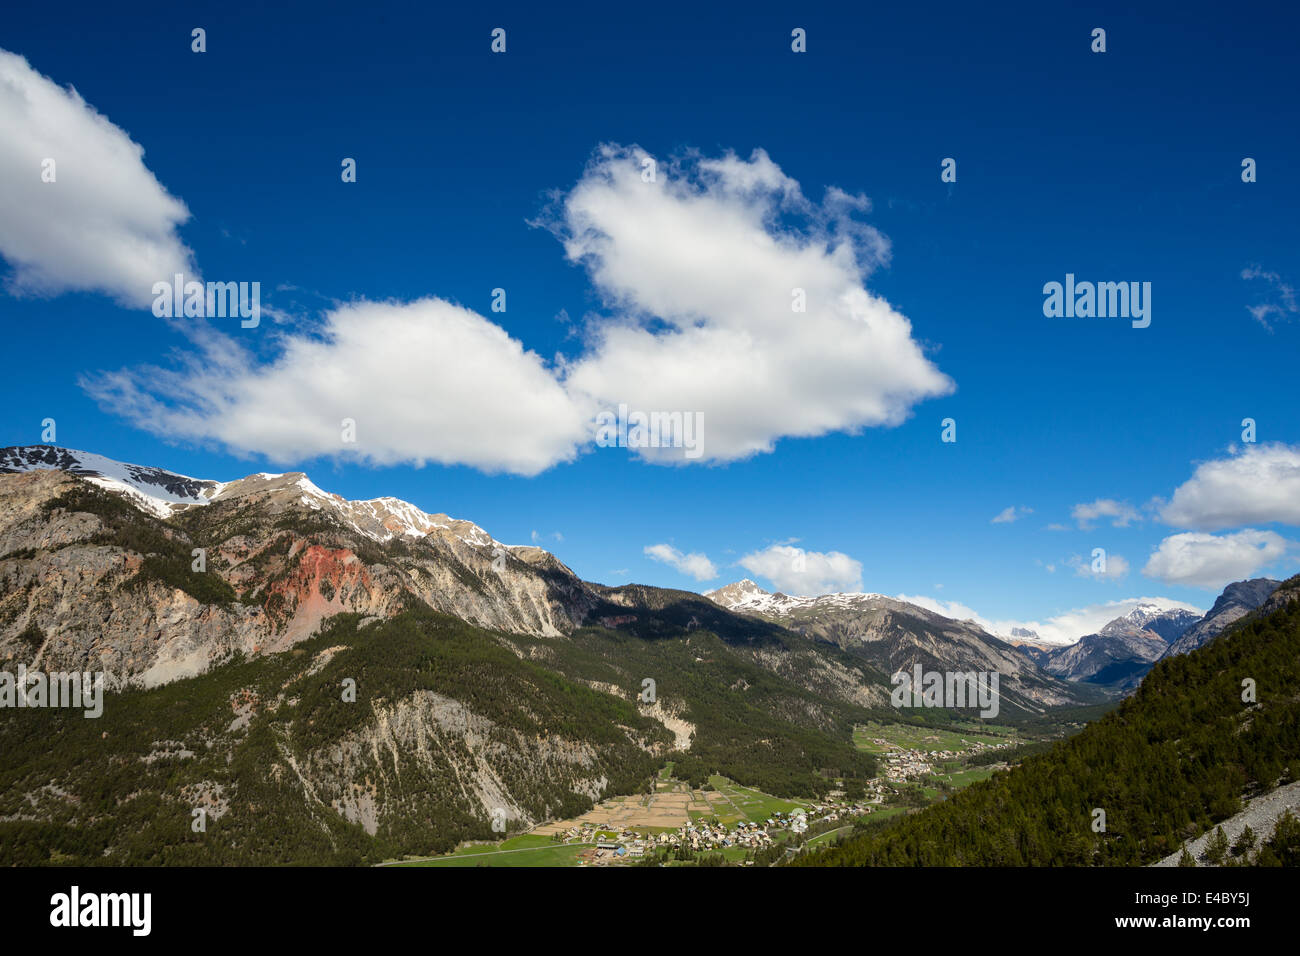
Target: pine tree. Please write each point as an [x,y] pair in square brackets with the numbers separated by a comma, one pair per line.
[1245,842]
[1217,848]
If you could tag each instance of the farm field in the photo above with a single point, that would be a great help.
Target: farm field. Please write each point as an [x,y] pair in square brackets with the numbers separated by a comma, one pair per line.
[732,803]
[964,778]
[828,836]
[672,805]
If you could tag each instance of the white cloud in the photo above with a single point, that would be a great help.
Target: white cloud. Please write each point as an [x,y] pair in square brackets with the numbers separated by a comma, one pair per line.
[953,609]
[1010,514]
[1112,568]
[696,565]
[701,267]
[424,381]
[105,224]
[698,272]
[1258,485]
[1211,561]
[798,572]
[1120,513]
[1281,297]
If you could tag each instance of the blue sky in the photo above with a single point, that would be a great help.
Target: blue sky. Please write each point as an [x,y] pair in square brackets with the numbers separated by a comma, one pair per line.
[1115,166]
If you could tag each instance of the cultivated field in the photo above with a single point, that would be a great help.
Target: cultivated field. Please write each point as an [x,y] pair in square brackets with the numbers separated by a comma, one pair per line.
[672,805]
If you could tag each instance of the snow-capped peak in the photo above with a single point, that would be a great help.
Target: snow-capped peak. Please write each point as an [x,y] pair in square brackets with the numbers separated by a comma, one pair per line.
[1165,619]
[153,490]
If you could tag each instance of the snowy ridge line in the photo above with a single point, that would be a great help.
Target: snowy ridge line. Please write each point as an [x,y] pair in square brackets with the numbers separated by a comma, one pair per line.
[164,494]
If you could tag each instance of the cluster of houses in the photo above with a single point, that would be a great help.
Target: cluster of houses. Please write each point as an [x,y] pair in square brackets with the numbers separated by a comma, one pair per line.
[705,836]
[905,764]
[902,764]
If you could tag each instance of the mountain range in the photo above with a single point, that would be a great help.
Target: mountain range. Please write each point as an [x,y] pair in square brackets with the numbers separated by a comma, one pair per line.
[487,679]
[231,617]
[894,635]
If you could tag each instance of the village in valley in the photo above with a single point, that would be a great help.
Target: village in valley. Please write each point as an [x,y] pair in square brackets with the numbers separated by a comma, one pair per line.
[725,823]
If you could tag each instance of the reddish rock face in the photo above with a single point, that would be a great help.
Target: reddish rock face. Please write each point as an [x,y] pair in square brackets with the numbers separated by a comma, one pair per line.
[325,581]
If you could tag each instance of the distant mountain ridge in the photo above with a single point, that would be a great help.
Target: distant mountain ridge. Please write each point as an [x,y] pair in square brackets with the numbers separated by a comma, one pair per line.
[1115,658]
[1119,658]
[895,635]
[1165,623]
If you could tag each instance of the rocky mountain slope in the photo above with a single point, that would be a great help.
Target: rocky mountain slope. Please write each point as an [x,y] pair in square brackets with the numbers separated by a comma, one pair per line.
[894,635]
[1118,660]
[1236,601]
[1122,652]
[446,729]
[98,563]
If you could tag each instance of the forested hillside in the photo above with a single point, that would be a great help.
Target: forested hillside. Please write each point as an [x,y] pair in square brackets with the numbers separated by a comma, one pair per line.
[449,722]
[446,725]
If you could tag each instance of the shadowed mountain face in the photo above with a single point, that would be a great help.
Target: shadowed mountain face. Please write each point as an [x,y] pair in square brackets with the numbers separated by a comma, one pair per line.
[894,635]
[1236,601]
[1118,660]
[1121,653]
